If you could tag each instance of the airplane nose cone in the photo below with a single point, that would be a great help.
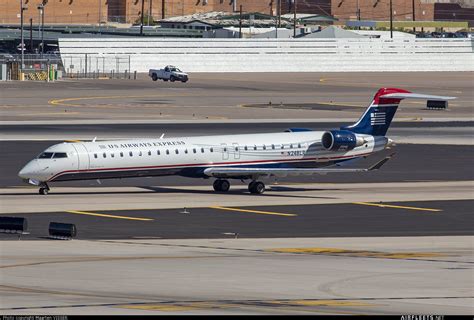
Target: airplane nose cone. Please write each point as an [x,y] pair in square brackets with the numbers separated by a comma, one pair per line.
[29,170]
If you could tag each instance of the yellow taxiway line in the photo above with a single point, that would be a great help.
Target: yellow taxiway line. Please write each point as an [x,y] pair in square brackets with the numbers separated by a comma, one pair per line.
[255,211]
[396,207]
[108,215]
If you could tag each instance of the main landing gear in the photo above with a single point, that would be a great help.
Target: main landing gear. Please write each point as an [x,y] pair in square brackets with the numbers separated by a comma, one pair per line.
[255,187]
[44,189]
[221,185]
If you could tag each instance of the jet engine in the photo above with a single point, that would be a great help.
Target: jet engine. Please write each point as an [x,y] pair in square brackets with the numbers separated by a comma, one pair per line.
[336,140]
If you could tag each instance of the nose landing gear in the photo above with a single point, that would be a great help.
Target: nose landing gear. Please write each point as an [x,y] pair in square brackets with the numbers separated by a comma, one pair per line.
[44,189]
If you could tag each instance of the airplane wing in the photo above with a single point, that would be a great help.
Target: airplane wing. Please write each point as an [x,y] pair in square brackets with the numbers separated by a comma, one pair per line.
[239,172]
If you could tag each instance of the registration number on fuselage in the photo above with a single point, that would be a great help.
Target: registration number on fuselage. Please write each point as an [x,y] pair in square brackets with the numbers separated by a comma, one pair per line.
[296,153]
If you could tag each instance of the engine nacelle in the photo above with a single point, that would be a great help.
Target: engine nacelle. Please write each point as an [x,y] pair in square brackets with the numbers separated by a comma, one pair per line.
[335,140]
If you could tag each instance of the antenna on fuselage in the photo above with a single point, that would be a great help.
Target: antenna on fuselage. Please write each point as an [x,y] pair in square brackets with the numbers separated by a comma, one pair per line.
[162,136]
[95,138]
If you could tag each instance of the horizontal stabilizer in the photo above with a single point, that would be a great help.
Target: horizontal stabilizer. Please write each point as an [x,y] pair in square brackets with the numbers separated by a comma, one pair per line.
[409,95]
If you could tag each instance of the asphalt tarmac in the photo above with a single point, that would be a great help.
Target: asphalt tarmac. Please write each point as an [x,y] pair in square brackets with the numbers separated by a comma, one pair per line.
[225,96]
[412,162]
[421,218]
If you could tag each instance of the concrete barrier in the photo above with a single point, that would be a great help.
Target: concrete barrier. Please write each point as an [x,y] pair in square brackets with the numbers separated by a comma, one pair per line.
[267,55]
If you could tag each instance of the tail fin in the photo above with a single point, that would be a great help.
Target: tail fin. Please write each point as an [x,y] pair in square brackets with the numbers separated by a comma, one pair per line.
[378,116]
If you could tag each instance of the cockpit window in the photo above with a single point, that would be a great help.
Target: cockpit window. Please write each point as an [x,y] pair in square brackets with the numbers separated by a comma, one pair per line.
[60,155]
[45,155]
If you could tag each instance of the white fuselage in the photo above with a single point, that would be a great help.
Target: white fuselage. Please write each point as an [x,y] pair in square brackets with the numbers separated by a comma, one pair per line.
[188,156]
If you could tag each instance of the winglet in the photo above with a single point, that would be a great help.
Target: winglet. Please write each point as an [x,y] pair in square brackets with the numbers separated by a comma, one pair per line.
[379,164]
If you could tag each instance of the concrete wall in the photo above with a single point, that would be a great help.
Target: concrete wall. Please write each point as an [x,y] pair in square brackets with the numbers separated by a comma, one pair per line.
[269,55]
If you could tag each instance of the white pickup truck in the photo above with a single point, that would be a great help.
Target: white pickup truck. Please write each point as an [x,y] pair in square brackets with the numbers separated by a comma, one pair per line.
[170,73]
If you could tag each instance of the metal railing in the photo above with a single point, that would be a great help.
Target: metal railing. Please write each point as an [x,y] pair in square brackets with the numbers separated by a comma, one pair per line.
[98,66]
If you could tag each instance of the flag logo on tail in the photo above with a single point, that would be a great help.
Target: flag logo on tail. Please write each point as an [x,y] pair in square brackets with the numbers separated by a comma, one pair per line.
[377,118]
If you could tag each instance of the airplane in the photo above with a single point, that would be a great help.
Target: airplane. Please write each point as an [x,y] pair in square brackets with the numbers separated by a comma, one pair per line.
[243,156]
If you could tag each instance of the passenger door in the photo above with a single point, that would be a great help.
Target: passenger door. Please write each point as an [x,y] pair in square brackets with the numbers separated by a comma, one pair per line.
[83,161]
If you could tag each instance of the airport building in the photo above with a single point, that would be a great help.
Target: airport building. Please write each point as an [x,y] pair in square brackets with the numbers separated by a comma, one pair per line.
[425,10]
[129,11]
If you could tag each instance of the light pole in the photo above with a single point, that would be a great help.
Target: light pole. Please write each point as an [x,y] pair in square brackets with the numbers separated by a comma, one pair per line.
[41,12]
[391,20]
[294,18]
[100,13]
[22,41]
[142,17]
[150,10]
[358,12]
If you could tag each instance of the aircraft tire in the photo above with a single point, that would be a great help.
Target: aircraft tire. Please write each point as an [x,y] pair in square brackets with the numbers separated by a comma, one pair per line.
[225,185]
[251,186]
[43,191]
[257,187]
[221,185]
[216,185]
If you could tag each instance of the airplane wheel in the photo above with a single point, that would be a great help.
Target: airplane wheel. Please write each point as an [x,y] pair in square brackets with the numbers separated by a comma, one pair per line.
[221,185]
[43,191]
[225,186]
[251,186]
[257,187]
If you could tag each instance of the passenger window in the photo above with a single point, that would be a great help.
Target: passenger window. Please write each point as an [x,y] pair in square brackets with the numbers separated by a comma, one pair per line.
[131,154]
[167,151]
[176,151]
[194,150]
[158,152]
[211,149]
[282,146]
[255,147]
[95,155]
[121,154]
[264,147]
[45,155]
[236,149]
[149,153]
[202,150]
[299,145]
[140,153]
[291,146]
[104,155]
[245,148]
[58,155]
[225,149]
[112,155]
